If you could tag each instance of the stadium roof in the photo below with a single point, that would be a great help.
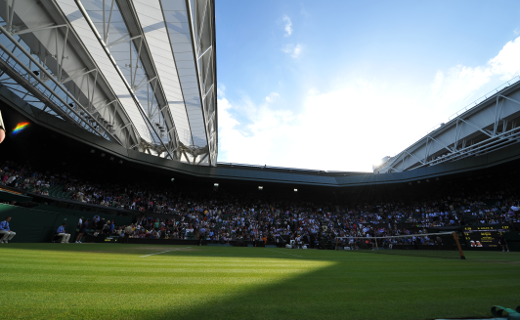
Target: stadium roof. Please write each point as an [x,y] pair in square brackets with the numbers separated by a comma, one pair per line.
[487,125]
[139,73]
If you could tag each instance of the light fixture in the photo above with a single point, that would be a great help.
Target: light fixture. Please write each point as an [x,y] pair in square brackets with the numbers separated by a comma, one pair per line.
[173,179]
[215,185]
[111,158]
[92,151]
[102,155]
[260,188]
[120,161]
[295,190]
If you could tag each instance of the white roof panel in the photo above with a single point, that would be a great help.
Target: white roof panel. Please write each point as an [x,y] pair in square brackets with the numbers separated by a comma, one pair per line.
[174,5]
[150,17]
[86,35]
[169,30]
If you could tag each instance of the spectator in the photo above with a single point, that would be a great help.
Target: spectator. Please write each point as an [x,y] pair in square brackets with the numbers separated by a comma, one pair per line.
[128,231]
[202,232]
[5,230]
[61,233]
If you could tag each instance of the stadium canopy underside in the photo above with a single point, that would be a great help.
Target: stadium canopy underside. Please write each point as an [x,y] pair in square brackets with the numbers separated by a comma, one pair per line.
[137,73]
[489,124]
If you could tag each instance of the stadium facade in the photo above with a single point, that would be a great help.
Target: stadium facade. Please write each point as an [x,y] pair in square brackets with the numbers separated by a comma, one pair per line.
[137,80]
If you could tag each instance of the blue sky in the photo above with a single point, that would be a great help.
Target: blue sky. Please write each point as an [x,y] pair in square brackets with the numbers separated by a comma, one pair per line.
[338,85]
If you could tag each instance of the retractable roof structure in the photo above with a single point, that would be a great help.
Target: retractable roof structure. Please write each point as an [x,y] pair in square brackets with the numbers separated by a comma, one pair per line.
[140,73]
[487,125]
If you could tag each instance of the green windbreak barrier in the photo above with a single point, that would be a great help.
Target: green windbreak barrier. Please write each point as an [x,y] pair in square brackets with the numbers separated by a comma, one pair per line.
[39,225]
[10,196]
[120,220]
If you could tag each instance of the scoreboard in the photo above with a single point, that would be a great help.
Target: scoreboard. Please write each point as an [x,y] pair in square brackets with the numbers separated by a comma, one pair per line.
[484,236]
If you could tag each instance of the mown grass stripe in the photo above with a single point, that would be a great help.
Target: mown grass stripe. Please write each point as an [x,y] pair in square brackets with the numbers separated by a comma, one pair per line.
[108,281]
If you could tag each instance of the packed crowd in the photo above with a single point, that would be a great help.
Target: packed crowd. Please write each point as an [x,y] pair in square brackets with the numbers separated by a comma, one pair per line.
[221,217]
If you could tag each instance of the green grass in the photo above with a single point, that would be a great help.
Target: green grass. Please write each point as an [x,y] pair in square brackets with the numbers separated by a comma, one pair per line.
[114,281]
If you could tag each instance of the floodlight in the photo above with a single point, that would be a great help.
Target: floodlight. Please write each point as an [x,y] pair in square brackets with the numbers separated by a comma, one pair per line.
[295,190]
[260,188]
[215,184]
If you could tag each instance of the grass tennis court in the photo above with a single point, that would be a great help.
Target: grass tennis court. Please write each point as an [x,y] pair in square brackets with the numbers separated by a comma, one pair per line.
[115,281]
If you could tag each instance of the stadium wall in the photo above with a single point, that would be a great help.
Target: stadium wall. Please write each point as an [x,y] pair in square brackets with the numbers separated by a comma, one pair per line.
[39,225]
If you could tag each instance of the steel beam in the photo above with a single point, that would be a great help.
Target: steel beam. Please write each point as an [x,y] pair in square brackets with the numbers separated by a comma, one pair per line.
[49,75]
[130,90]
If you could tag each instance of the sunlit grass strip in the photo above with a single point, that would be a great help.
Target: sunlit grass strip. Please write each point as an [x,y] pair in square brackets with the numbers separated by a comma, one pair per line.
[111,281]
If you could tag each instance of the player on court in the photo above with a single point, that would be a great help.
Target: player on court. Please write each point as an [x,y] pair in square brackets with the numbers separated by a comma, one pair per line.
[503,243]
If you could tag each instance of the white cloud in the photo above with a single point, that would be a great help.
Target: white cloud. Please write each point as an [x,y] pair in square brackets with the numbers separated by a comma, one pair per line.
[221,89]
[460,85]
[333,130]
[271,97]
[304,12]
[507,62]
[457,84]
[360,122]
[288,25]
[293,50]
[297,50]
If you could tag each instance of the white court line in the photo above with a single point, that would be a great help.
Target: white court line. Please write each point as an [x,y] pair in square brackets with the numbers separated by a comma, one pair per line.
[294,255]
[153,254]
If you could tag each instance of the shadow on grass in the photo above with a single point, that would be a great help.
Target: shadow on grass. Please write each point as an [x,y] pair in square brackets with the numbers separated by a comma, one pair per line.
[351,286]
[350,290]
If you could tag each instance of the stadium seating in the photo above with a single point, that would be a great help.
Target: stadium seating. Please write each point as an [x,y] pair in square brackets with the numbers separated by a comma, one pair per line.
[156,216]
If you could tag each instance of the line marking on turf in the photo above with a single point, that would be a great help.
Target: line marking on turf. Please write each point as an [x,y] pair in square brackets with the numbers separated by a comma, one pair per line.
[153,254]
[294,255]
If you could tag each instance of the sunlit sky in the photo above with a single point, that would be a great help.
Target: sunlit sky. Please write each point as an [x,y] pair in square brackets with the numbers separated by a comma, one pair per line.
[338,85]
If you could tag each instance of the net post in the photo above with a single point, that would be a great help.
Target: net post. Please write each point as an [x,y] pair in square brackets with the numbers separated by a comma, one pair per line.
[456,238]
[336,243]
